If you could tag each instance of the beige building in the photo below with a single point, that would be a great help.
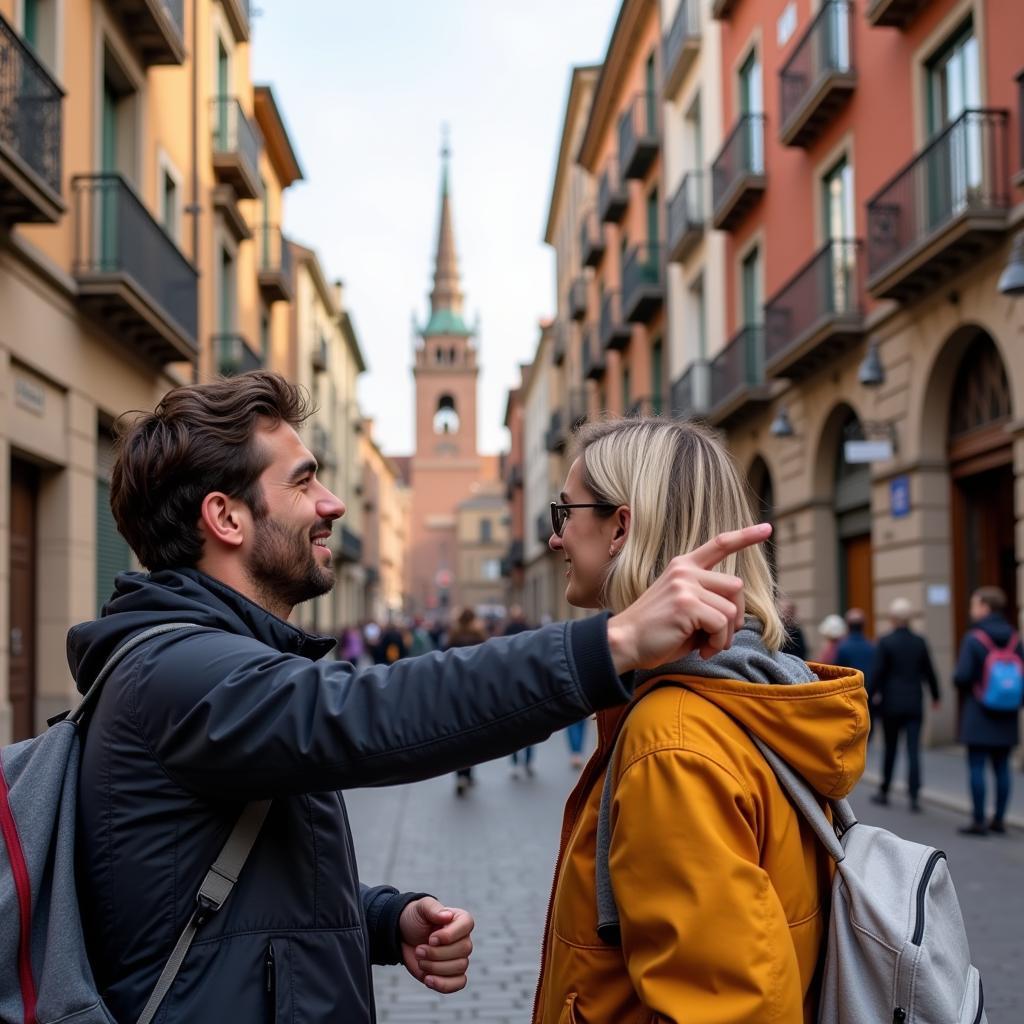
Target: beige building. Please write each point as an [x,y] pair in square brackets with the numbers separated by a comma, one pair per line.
[324,357]
[482,536]
[386,501]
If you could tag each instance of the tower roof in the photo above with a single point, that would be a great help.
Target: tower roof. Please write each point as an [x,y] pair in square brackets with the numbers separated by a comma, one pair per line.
[446,296]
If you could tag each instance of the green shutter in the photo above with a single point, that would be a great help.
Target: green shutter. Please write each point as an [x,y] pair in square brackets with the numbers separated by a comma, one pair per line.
[112,552]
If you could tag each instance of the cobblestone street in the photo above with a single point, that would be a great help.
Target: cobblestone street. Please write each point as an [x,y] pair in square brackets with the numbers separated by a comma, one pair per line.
[493,853]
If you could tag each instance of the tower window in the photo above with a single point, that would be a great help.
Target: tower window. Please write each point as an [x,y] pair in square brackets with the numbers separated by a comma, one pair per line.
[446,419]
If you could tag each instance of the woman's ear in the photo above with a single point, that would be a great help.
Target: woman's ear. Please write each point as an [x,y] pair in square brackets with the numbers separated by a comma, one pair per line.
[622,520]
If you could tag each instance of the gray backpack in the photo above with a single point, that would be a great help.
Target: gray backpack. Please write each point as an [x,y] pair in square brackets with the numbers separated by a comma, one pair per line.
[896,948]
[45,975]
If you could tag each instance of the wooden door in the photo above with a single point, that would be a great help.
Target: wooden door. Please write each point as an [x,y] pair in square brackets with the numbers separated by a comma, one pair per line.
[24,502]
[859,579]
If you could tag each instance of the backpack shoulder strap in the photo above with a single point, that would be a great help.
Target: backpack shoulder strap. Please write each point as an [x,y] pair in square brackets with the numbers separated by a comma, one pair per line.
[1011,644]
[92,694]
[984,639]
[213,893]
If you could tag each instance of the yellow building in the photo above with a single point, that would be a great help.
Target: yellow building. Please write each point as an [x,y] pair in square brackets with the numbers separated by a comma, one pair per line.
[386,503]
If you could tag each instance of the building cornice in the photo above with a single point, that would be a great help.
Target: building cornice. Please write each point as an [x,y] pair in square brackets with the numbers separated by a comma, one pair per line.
[279,145]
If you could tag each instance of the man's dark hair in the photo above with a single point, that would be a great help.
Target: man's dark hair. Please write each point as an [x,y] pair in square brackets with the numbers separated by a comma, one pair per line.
[993,597]
[199,439]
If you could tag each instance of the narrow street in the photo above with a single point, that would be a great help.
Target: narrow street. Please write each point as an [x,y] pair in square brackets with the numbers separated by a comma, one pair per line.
[493,853]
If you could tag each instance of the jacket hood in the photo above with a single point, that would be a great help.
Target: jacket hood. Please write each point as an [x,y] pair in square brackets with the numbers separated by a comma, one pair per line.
[820,728]
[997,627]
[141,600]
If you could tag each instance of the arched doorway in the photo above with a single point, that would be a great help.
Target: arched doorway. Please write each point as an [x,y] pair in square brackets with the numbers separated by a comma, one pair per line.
[762,489]
[852,508]
[981,473]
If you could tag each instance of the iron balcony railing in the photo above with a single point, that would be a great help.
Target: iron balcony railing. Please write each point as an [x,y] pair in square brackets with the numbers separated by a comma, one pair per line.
[30,110]
[578,299]
[638,135]
[234,133]
[741,155]
[615,332]
[682,39]
[235,355]
[740,365]
[275,252]
[116,235]
[612,196]
[829,287]
[689,395]
[594,359]
[642,281]
[963,170]
[825,51]
[592,243]
[686,215]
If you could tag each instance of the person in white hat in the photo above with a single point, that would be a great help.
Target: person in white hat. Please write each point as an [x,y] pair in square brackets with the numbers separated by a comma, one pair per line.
[832,629]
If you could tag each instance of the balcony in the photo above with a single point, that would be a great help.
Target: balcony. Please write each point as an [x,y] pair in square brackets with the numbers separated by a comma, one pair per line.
[236,148]
[721,9]
[643,283]
[819,76]
[615,331]
[612,194]
[818,314]
[681,44]
[737,175]
[578,299]
[558,432]
[737,377]
[321,356]
[542,526]
[592,247]
[594,360]
[235,355]
[686,217]
[156,27]
[350,546]
[690,391]
[1019,177]
[941,211]
[644,407]
[559,344]
[238,16]
[275,274]
[894,13]
[30,135]
[638,136]
[129,272]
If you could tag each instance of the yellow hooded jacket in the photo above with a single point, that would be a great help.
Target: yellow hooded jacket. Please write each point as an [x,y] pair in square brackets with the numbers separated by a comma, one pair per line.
[722,888]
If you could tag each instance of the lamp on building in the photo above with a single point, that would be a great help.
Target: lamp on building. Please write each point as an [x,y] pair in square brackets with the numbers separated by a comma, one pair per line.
[871,373]
[781,427]
[1011,281]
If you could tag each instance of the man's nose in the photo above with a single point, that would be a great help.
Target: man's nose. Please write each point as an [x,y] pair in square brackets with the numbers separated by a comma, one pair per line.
[330,506]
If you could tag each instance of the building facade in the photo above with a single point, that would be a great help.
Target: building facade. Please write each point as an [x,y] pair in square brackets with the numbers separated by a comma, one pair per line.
[482,538]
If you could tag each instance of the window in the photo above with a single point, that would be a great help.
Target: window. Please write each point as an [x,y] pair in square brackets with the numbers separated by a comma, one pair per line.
[657,376]
[492,569]
[112,552]
[652,216]
[446,419]
[751,274]
[39,30]
[169,204]
[751,102]
[694,136]
[118,131]
[265,335]
[228,286]
[625,388]
[954,80]
[698,318]
[485,531]
[837,202]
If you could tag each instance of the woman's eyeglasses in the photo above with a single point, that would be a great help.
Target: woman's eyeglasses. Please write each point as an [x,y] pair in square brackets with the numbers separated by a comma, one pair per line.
[560,512]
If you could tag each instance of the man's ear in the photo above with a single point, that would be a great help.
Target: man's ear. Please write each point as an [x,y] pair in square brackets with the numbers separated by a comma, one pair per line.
[222,519]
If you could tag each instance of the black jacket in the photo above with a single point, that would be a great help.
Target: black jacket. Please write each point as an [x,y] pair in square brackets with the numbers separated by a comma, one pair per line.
[902,666]
[980,727]
[196,723]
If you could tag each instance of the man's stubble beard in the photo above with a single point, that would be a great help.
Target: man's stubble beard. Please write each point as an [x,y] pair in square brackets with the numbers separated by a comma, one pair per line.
[283,569]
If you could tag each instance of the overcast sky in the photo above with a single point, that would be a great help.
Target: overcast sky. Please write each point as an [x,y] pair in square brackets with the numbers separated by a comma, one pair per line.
[364,89]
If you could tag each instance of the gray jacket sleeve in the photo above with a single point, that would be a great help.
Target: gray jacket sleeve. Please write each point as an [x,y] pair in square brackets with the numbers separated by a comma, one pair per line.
[229,717]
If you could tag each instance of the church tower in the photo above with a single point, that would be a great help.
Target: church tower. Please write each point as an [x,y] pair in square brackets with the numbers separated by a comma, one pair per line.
[446,464]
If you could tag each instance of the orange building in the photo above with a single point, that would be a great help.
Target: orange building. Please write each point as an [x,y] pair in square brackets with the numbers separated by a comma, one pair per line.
[446,464]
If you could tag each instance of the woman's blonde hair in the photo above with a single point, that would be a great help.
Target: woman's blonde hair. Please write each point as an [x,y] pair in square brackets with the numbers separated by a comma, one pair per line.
[682,489]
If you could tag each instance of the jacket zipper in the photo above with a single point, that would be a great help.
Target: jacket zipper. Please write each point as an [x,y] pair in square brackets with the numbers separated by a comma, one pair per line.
[922,888]
[981,1003]
[269,977]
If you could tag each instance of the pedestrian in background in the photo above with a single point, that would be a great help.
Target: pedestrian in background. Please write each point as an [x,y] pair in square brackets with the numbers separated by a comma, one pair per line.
[989,735]
[795,642]
[466,633]
[390,646]
[902,666]
[855,650]
[832,629]
[517,624]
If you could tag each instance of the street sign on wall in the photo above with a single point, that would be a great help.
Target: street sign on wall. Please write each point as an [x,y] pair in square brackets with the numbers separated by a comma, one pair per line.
[899,497]
[867,451]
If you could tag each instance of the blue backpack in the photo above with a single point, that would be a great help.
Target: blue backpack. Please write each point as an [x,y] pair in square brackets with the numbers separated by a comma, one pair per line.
[1002,676]
[45,977]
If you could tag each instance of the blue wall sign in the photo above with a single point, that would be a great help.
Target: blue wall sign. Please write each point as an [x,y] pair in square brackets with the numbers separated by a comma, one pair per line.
[899,496]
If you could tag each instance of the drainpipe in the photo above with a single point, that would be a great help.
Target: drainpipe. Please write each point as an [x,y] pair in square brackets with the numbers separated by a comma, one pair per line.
[195,209]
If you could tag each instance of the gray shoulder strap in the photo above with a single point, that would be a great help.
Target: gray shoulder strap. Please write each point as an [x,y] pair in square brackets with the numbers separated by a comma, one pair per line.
[115,659]
[213,893]
[806,802]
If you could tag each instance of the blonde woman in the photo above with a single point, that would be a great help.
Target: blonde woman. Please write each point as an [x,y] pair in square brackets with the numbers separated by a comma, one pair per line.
[696,893]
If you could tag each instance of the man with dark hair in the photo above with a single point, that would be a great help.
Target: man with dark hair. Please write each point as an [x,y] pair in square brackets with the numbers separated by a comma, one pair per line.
[989,735]
[219,499]
[855,650]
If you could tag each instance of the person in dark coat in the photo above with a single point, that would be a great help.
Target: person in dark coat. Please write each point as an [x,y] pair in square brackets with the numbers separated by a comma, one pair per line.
[989,735]
[902,666]
[517,624]
[796,643]
[855,650]
[219,499]
[466,633]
